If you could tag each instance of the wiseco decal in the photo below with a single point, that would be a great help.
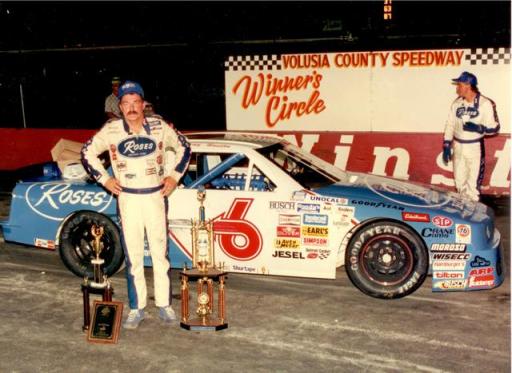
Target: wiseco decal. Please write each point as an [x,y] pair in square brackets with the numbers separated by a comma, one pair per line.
[416,217]
[238,238]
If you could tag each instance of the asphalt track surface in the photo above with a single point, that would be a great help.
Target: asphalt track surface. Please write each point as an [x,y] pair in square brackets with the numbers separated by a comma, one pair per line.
[275,324]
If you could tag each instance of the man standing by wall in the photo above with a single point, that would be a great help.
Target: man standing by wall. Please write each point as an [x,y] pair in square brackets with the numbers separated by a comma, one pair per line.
[112,102]
[472,117]
[142,181]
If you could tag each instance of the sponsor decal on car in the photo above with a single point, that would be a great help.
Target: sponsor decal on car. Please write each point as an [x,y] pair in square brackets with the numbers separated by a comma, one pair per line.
[450,284]
[442,221]
[481,271]
[286,243]
[376,204]
[56,200]
[315,241]
[308,207]
[288,254]
[481,281]
[451,256]
[448,275]
[448,265]
[281,205]
[479,262]
[320,254]
[315,231]
[244,269]
[287,231]
[299,195]
[315,219]
[289,219]
[416,217]
[341,201]
[462,233]
[437,232]
[47,244]
[449,247]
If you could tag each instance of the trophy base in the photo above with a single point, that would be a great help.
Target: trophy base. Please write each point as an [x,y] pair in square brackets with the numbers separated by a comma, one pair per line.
[98,285]
[197,325]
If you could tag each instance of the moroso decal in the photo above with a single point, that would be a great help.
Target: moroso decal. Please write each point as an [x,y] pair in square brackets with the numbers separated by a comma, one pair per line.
[238,238]
[450,247]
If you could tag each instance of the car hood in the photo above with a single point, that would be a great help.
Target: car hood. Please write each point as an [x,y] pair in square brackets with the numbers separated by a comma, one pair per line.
[407,194]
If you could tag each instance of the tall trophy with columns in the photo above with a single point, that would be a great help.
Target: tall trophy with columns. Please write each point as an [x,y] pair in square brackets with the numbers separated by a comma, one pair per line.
[207,277]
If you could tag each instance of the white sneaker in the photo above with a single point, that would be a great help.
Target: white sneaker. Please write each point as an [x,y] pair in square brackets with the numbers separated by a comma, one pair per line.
[134,318]
[167,314]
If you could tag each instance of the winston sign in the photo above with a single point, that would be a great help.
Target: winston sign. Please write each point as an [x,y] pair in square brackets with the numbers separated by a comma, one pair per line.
[377,111]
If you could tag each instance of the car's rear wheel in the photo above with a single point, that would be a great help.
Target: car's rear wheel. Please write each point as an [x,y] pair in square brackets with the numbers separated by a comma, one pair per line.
[75,244]
[386,260]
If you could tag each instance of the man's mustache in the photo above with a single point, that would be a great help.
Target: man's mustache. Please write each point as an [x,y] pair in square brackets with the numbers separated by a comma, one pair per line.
[132,112]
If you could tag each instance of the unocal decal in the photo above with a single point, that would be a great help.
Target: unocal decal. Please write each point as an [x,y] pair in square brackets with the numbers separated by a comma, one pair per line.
[55,201]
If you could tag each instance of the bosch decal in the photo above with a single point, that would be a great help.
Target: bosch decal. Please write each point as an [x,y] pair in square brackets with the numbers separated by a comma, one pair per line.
[450,284]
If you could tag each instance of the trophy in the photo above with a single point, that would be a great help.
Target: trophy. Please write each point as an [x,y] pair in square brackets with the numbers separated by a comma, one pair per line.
[202,238]
[207,277]
[100,280]
[100,283]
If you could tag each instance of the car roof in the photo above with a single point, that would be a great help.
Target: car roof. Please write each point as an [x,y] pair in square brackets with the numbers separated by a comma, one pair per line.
[253,140]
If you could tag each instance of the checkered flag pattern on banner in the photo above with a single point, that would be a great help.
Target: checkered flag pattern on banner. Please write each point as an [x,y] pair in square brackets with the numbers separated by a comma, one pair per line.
[258,63]
[489,56]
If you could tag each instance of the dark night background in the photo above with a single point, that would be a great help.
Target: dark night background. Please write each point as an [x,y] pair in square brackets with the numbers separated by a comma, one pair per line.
[64,54]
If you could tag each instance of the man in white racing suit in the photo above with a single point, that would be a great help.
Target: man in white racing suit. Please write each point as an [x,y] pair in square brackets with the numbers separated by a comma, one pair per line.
[142,181]
[472,117]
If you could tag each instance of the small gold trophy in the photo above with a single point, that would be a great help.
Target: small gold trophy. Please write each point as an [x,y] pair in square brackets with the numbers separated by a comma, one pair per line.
[100,284]
[206,275]
[100,279]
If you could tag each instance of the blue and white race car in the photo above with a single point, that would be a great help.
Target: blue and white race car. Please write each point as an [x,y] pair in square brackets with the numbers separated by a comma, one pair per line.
[277,210]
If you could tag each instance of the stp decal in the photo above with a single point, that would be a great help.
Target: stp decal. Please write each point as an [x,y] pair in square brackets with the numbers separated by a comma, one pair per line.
[238,238]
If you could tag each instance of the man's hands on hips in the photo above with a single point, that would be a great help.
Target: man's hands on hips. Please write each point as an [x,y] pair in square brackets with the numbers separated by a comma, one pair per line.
[113,186]
[169,186]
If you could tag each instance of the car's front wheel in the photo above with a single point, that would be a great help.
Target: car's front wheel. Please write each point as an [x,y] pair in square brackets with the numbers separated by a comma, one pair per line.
[386,260]
[76,244]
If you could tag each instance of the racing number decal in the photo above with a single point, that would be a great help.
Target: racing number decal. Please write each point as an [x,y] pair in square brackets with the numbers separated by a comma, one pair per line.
[238,238]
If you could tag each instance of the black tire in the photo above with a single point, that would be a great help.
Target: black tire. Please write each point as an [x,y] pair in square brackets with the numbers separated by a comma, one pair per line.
[75,247]
[386,260]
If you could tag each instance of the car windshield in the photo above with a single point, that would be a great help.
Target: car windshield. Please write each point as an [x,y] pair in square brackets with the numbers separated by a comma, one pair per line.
[308,170]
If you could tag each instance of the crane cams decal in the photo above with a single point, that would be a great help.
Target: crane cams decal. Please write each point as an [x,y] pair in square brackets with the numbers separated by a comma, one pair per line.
[56,201]
[135,147]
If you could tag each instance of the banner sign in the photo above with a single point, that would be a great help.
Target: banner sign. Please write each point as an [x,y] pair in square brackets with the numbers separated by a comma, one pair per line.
[375,111]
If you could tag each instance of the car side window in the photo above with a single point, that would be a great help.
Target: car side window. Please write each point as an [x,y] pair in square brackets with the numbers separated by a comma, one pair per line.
[226,171]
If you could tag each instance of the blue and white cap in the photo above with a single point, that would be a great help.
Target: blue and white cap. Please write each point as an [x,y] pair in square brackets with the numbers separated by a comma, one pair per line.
[130,87]
[467,78]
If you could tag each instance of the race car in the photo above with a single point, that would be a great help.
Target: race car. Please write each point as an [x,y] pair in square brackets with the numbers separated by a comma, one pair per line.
[278,210]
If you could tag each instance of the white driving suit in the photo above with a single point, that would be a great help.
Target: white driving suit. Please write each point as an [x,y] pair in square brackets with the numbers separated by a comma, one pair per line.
[468,146]
[139,163]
